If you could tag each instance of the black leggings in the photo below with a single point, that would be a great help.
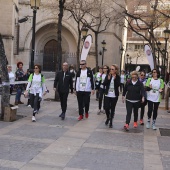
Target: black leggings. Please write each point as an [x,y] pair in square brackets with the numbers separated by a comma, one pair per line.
[153,107]
[101,94]
[35,102]
[110,104]
[142,111]
[129,107]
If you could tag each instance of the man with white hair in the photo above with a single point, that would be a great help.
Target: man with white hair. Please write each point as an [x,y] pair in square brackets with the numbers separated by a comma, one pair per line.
[63,81]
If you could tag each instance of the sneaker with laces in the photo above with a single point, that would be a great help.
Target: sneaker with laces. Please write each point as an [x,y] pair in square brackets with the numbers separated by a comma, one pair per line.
[154,127]
[20,102]
[80,117]
[148,125]
[126,127]
[141,122]
[86,115]
[135,124]
[33,119]
[29,105]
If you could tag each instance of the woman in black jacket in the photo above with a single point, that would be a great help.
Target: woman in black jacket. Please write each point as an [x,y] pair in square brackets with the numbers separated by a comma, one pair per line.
[111,84]
[134,92]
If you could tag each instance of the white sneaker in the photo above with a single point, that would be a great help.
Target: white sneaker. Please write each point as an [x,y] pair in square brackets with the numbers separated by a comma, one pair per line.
[98,112]
[33,119]
[154,127]
[29,105]
[103,111]
[148,125]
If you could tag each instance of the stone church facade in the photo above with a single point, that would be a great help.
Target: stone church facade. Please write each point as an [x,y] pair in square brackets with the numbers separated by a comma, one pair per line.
[46,38]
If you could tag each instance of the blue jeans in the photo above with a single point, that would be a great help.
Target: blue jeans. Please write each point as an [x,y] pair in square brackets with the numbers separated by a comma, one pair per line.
[18,95]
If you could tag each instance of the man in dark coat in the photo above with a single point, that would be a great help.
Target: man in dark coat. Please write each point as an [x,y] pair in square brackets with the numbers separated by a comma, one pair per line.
[63,81]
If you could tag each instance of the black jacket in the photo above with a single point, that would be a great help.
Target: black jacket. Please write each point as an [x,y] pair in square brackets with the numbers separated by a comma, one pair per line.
[63,85]
[106,84]
[134,92]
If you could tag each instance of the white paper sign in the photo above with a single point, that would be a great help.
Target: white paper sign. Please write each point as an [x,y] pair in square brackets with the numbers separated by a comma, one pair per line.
[149,56]
[86,47]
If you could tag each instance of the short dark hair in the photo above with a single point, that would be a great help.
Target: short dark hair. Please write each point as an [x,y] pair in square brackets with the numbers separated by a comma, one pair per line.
[158,72]
[19,64]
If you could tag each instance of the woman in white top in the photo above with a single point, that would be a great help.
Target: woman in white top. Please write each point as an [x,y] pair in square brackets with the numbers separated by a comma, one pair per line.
[154,87]
[36,87]
[11,77]
[102,90]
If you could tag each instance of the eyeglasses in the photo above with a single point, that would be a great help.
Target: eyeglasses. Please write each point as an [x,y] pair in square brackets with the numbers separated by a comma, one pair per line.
[36,68]
[82,64]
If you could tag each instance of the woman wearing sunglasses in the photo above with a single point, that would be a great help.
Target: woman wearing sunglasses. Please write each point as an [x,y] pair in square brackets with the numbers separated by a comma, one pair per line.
[36,87]
[154,87]
[134,92]
[111,85]
[101,90]
[142,111]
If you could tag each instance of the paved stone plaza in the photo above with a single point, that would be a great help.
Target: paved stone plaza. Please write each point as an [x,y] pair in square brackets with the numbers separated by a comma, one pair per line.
[53,144]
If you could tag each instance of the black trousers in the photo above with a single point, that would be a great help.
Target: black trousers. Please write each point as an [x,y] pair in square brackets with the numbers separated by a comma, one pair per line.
[153,107]
[129,107]
[101,94]
[110,104]
[63,101]
[142,111]
[122,87]
[83,101]
[35,102]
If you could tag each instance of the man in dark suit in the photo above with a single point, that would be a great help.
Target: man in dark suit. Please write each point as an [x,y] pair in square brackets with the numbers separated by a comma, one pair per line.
[63,81]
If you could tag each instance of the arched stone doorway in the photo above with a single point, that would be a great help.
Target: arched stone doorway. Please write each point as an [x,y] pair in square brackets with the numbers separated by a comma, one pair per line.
[50,56]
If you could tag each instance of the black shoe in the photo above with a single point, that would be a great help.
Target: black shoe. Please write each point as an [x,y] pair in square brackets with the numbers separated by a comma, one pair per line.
[63,116]
[107,121]
[110,126]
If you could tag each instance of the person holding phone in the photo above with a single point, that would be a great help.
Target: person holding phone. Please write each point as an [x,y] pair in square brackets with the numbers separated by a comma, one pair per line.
[111,86]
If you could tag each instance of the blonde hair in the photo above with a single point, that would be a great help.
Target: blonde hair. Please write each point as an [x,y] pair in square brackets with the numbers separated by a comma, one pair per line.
[9,66]
[134,73]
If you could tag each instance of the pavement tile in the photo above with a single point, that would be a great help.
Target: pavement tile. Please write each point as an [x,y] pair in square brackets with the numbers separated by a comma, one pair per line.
[51,159]
[32,166]
[79,135]
[41,132]
[166,162]
[18,150]
[164,143]
[102,159]
[5,168]
[125,140]
[153,167]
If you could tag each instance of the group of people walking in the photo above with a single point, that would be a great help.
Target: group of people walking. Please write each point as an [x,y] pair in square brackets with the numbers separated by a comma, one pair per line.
[136,92]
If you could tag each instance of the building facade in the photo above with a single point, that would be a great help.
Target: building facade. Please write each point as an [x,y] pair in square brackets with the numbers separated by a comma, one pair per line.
[46,37]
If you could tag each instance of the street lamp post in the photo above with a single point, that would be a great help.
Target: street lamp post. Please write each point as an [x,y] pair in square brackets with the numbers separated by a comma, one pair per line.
[104,49]
[121,52]
[35,4]
[84,31]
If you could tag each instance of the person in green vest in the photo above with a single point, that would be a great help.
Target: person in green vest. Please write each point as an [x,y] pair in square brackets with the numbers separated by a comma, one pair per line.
[154,88]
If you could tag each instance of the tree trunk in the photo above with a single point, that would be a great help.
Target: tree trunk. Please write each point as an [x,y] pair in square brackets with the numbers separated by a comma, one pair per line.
[96,50]
[59,40]
[167,99]
[5,79]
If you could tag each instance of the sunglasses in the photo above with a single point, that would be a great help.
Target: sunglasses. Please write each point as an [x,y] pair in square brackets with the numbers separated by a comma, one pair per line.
[82,64]
[154,72]
[36,68]
[142,75]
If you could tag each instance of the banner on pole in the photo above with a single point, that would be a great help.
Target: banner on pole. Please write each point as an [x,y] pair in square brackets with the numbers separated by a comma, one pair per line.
[148,52]
[86,47]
